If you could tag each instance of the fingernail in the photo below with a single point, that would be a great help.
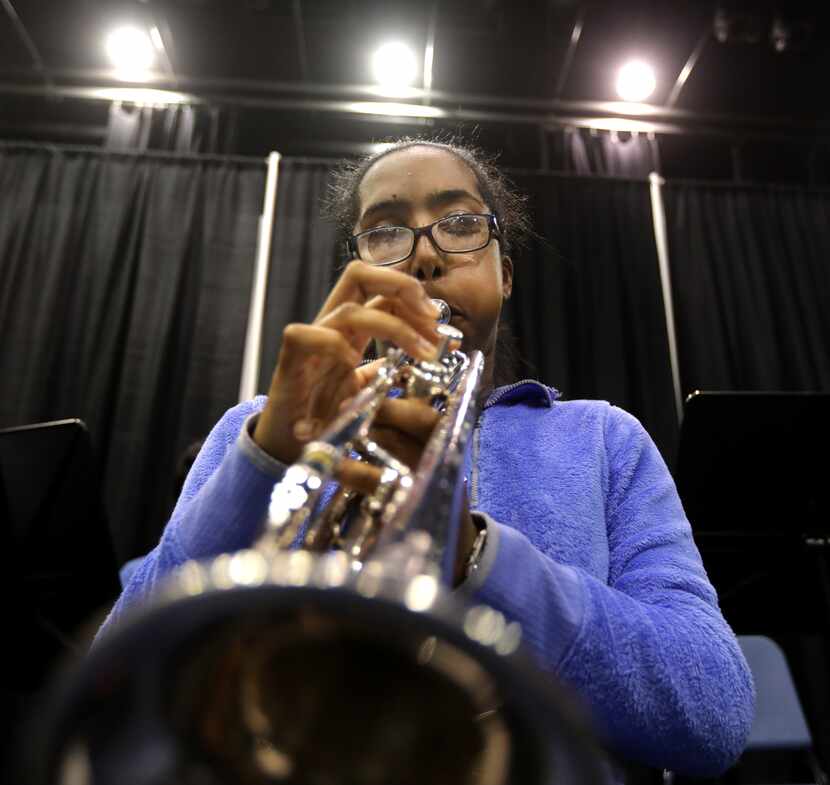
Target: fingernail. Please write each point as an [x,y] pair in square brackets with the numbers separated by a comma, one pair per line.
[303,430]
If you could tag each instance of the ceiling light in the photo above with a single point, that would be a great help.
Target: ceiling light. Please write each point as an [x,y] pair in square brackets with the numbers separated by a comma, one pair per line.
[394,65]
[636,81]
[131,51]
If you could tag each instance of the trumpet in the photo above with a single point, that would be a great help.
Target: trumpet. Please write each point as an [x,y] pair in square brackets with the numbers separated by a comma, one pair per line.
[393,518]
[332,652]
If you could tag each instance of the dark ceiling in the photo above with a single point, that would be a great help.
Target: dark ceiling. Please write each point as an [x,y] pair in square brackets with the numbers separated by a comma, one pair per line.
[276,72]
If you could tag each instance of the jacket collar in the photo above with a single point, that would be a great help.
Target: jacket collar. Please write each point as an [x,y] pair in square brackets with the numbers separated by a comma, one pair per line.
[525,391]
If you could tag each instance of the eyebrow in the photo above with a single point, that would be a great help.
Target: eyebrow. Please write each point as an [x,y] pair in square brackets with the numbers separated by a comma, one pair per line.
[433,200]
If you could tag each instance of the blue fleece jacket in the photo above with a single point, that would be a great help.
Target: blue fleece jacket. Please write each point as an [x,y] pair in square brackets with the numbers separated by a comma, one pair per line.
[588,548]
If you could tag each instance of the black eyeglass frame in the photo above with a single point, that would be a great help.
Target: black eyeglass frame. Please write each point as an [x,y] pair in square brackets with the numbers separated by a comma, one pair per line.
[493,231]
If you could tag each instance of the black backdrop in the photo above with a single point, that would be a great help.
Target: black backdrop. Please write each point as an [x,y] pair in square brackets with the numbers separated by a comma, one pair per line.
[124,288]
[751,280]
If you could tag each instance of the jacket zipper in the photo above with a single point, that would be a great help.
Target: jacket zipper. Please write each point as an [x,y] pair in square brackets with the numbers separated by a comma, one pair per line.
[474,466]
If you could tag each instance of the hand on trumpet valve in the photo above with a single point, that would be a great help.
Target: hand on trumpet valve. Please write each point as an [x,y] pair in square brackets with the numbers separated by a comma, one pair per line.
[317,374]
[317,365]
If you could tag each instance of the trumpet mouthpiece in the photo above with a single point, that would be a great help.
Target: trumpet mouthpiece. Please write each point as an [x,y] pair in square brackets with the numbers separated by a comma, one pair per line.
[445,312]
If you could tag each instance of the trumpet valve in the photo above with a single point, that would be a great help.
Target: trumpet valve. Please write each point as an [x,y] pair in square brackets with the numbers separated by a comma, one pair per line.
[449,339]
[428,379]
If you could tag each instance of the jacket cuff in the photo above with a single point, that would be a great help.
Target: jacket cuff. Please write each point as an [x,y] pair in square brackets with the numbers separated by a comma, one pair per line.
[266,463]
[488,555]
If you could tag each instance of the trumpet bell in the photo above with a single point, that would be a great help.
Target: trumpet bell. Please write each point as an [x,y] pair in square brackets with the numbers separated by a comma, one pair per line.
[294,669]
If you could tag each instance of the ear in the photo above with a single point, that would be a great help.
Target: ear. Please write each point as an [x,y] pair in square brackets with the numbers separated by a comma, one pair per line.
[506,276]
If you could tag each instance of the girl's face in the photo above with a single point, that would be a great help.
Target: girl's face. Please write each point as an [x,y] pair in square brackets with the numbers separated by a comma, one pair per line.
[416,186]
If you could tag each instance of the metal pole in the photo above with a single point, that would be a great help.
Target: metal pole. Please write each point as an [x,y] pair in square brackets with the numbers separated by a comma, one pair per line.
[256,313]
[576,34]
[429,49]
[608,116]
[90,83]
[658,214]
[687,69]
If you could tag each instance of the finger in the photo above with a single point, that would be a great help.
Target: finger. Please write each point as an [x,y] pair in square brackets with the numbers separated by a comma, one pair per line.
[358,475]
[301,342]
[360,282]
[335,384]
[423,324]
[414,418]
[404,447]
[359,323]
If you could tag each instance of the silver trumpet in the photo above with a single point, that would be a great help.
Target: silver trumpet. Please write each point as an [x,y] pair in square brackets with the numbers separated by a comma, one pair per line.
[333,652]
[393,521]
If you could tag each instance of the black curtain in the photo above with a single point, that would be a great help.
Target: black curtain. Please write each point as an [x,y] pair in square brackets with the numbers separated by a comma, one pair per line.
[751,284]
[587,306]
[304,258]
[124,289]
[181,128]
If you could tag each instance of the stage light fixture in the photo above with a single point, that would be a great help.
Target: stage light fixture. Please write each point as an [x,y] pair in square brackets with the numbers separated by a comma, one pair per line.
[394,65]
[131,51]
[636,81]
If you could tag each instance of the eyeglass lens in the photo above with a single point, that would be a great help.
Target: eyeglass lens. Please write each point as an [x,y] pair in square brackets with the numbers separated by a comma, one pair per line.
[454,234]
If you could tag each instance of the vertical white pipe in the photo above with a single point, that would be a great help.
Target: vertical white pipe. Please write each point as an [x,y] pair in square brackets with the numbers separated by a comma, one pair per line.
[658,215]
[256,310]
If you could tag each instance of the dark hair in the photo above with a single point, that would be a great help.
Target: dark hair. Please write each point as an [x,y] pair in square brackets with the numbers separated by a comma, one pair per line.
[342,202]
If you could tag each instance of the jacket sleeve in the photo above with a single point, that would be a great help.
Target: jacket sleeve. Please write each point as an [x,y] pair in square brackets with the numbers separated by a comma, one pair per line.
[650,651]
[221,507]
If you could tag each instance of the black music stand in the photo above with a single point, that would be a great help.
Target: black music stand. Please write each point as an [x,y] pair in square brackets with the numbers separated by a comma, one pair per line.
[752,474]
[61,566]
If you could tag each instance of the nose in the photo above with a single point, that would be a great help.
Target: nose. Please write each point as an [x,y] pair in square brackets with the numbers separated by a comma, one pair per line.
[426,263]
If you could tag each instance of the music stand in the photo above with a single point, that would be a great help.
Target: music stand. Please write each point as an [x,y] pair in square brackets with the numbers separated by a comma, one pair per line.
[751,473]
[62,566]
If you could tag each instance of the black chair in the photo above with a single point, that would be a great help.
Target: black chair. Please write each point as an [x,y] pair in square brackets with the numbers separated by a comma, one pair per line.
[780,744]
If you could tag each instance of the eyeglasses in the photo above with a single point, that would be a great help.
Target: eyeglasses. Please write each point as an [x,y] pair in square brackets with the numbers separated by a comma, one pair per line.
[454,234]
